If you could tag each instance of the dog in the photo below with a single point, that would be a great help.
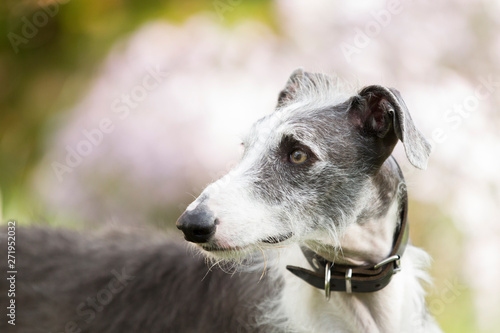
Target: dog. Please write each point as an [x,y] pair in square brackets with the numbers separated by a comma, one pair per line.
[308,233]
[318,182]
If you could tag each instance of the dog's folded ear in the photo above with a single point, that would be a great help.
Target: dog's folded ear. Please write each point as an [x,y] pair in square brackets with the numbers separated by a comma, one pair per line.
[381,112]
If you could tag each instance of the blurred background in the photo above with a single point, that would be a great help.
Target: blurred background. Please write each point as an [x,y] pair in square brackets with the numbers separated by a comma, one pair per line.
[119,112]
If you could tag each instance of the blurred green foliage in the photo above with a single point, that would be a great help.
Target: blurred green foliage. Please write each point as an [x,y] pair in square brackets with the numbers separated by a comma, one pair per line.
[48,52]
[449,298]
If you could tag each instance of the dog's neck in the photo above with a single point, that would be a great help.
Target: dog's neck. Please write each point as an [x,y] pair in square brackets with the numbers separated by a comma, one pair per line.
[368,239]
[370,242]
[365,242]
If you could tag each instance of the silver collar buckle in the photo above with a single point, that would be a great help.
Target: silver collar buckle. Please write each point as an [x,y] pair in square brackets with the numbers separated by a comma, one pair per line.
[328,276]
[397,263]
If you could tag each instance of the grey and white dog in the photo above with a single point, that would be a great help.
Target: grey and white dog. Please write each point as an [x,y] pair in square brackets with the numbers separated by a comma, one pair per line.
[316,191]
[317,180]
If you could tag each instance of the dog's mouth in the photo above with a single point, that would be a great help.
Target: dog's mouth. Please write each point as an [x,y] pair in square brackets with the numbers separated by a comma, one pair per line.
[269,240]
[216,248]
[277,239]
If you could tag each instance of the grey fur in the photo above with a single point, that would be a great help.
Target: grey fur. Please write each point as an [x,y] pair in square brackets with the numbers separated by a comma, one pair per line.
[165,288]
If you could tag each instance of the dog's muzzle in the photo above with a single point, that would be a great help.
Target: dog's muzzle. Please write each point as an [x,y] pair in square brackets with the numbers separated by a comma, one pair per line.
[198,225]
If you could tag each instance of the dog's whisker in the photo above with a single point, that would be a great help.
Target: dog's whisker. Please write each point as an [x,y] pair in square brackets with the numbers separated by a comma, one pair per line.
[265,263]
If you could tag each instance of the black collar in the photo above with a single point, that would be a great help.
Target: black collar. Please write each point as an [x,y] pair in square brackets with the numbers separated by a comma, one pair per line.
[359,279]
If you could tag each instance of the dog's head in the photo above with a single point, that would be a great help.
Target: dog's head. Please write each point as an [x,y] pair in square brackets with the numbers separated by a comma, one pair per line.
[305,169]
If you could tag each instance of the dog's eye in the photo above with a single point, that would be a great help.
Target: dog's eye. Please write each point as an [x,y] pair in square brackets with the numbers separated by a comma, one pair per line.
[298,156]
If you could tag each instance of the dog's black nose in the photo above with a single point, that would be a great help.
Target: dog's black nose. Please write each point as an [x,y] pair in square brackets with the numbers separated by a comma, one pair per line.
[198,225]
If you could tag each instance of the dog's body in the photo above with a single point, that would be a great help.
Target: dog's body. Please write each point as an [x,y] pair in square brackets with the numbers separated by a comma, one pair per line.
[69,282]
[316,174]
